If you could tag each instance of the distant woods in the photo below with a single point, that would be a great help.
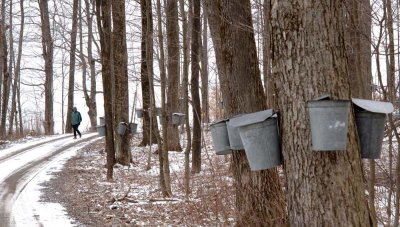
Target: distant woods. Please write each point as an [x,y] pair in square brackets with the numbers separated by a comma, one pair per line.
[210,60]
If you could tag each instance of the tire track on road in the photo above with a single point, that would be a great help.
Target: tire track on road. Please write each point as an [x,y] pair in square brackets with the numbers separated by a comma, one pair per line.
[11,183]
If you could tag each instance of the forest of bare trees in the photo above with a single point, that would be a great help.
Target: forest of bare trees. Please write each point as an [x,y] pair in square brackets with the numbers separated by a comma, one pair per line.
[211,60]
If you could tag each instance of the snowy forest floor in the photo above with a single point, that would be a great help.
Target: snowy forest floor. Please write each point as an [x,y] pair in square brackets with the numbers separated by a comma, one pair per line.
[134,198]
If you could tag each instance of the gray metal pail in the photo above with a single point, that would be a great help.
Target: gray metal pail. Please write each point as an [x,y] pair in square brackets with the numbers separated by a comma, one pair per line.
[101,130]
[234,137]
[122,128]
[133,128]
[177,118]
[102,121]
[329,124]
[219,134]
[139,113]
[261,143]
[370,128]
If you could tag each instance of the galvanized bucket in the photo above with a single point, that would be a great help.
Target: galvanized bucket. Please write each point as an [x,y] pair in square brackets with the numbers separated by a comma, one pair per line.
[329,124]
[133,128]
[139,113]
[122,128]
[102,121]
[177,118]
[261,143]
[370,121]
[219,135]
[370,128]
[101,130]
[233,133]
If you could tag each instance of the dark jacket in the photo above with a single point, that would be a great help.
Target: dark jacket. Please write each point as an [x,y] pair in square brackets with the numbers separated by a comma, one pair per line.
[76,117]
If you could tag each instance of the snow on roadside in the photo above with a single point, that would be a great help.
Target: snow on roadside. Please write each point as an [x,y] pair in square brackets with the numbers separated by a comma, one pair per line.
[28,210]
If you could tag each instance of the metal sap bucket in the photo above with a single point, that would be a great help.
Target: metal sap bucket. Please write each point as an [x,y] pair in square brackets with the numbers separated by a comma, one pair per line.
[370,120]
[139,113]
[233,133]
[329,120]
[122,126]
[101,130]
[133,128]
[219,135]
[102,121]
[178,118]
[259,134]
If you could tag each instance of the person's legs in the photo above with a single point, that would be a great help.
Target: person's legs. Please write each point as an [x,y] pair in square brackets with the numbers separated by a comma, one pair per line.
[75,129]
[80,135]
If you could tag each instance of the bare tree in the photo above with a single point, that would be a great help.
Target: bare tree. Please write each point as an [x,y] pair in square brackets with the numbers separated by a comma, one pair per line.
[165,180]
[148,125]
[90,97]
[318,189]
[259,197]
[72,57]
[122,148]
[5,73]
[173,72]
[47,46]
[103,15]
[195,69]
[204,72]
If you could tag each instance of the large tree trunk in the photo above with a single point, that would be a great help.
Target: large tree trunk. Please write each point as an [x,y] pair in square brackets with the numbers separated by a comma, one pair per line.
[103,14]
[173,72]
[72,57]
[196,109]
[259,198]
[10,67]
[47,46]
[4,73]
[122,150]
[309,60]
[149,126]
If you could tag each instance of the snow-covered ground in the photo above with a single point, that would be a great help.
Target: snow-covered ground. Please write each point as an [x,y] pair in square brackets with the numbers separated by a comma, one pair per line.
[26,208]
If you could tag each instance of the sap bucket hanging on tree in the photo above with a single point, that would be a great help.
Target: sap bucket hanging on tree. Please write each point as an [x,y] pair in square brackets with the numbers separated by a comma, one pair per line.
[233,133]
[101,130]
[219,134]
[259,134]
[370,119]
[329,120]
[139,113]
[178,118]
[122,126]
[133,128]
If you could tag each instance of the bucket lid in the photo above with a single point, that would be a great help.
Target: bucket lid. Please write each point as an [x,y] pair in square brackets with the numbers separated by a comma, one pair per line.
[218,121]
[178,114]
[373,106]
[247,119]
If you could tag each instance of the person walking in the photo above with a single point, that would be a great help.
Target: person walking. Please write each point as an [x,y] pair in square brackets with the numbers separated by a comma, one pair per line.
[76,119]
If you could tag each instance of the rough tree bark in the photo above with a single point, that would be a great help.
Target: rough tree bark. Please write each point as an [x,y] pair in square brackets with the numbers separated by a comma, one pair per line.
[195,68]
[121,114]
[47,46]
[103,15]
[309,60]
[173,72]
[259,197]
[4,72]
[148,129]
